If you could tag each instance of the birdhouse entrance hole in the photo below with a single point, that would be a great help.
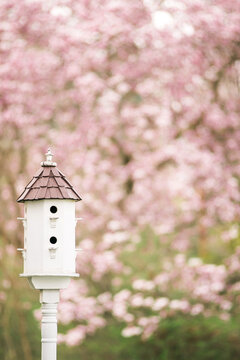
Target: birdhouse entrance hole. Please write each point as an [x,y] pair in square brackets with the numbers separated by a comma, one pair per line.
[53,209]
[53,240]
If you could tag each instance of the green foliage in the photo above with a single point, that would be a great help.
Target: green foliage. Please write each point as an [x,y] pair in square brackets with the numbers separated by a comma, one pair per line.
[19,335]
[177,338]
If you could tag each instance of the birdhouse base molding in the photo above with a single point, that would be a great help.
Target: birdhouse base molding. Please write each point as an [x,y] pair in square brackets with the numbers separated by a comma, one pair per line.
[49,282]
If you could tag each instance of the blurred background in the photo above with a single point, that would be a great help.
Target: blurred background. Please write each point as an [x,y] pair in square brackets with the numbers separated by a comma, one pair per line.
[139,101]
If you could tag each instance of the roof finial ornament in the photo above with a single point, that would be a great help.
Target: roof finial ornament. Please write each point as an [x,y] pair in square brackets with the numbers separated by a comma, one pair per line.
[48,161]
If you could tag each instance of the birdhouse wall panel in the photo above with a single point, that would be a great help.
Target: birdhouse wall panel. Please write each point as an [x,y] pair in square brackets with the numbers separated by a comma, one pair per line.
[68,236]
[67,230]
[61,230]
[69,246]
[34,237]
[49,237]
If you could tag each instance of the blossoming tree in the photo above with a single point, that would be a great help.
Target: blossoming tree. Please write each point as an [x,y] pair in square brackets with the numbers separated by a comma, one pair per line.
[140,101]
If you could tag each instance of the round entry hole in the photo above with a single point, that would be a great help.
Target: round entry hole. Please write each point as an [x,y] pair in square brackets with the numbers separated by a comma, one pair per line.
[53,240]
[53,209]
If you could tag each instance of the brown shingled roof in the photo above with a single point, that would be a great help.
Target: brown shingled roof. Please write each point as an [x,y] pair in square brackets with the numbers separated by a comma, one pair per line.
[48,183]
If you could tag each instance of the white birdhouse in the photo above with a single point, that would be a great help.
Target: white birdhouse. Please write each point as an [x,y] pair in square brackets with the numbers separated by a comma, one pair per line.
[49,223]
[49,243]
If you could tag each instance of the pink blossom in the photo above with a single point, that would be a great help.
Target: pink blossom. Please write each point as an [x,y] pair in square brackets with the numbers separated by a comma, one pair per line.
[197,309]
[137,300]
[131,331]
[3,296]
[143,285]
[75,336]
[160,303]
[179,305]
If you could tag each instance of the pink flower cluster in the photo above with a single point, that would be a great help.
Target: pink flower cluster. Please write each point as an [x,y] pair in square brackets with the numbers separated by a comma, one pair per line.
[203,289]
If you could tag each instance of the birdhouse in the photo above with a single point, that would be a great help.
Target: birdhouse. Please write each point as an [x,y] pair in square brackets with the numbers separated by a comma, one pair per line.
[49,223]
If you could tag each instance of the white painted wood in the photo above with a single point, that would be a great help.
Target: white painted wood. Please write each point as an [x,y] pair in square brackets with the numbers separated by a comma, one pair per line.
[49,257]
[43,257]
[49,300]
[41,282]
[48,161]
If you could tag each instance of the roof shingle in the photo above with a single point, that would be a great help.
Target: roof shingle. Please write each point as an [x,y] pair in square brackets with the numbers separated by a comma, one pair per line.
[49,183]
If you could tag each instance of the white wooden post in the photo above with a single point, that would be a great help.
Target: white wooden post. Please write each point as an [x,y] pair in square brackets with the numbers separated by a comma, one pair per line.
[49,300]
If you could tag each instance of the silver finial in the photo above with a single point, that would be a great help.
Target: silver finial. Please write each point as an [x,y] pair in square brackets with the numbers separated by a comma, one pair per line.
[48,161]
